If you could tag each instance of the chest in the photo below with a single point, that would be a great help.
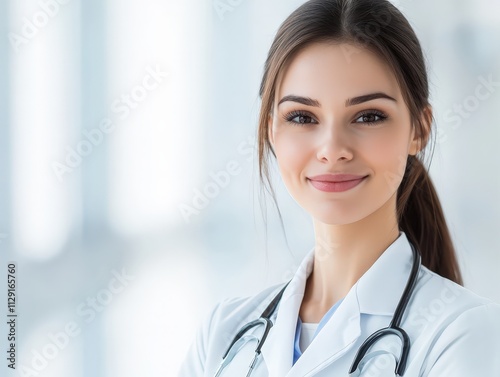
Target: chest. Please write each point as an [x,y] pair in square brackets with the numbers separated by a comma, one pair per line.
[380,361]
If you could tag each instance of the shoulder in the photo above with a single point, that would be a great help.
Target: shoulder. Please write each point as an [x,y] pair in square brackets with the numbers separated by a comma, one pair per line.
[219,327]
[458,327]
[437,303]
[443,307]
[442,291]
[230,314]
[454,331]
[243,308]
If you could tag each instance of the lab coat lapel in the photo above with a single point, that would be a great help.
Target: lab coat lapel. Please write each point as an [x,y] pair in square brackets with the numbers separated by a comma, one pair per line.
[277,351]
[380,288]
[377,292]
[333,341]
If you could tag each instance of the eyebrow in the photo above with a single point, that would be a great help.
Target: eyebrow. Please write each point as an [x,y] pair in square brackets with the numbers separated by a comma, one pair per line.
[349,102]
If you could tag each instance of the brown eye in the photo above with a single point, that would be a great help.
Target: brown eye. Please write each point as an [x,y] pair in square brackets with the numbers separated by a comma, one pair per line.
[371,117]
[298,118]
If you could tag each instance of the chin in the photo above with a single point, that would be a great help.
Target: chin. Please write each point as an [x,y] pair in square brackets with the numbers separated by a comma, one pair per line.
[333,218]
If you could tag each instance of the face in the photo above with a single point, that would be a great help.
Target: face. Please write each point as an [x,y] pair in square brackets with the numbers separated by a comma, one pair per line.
[335,133]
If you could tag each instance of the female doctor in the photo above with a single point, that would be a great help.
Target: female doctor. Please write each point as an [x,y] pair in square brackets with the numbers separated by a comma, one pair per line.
[345,112]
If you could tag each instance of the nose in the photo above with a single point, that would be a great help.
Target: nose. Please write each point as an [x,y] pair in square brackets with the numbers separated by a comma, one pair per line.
[334,144]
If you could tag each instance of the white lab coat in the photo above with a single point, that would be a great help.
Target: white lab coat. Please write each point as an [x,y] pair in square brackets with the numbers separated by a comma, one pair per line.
[453,332]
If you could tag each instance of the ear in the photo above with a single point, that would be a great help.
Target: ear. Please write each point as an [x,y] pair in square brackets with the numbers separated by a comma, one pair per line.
[419,140]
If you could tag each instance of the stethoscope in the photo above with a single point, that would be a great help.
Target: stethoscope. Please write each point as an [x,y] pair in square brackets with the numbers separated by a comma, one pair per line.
[393,329]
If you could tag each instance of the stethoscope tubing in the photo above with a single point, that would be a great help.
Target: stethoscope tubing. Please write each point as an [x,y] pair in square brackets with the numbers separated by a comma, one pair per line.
[393,328]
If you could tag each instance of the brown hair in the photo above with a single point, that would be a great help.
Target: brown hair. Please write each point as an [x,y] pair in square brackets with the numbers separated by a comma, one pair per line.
[379,26]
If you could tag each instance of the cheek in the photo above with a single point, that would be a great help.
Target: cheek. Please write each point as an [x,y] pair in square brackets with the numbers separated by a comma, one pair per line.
[292,152]
[388,159]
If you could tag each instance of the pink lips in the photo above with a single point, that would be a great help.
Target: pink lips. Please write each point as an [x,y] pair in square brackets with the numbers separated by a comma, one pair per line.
[336,182]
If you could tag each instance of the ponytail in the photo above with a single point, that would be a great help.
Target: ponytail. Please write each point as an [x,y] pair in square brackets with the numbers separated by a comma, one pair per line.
[421,218]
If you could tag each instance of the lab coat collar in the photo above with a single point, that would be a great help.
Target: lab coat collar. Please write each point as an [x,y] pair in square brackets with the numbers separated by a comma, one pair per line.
[388,275]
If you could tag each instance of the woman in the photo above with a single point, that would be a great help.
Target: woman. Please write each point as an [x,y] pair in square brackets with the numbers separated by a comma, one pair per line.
[345,112]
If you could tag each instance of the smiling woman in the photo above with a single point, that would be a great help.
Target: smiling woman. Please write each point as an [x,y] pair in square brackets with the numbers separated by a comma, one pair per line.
[346,113]
[351,127]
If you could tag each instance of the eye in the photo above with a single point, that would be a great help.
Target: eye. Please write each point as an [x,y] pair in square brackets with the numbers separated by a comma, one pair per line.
[370,117]
[301,116]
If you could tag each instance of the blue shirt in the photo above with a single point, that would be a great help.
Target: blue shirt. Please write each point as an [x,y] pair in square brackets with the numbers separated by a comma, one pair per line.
[296,348]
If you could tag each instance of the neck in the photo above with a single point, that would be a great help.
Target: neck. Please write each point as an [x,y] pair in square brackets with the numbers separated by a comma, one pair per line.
[343,253]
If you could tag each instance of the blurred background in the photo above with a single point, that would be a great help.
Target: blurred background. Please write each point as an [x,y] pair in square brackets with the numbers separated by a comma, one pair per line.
[129,193]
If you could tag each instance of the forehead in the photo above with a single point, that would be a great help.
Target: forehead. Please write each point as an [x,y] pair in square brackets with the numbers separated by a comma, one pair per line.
[334,72]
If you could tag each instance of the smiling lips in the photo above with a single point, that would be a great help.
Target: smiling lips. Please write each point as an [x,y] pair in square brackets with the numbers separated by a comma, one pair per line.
[336,182]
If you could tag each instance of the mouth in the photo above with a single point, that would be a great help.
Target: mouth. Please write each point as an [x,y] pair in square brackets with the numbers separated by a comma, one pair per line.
[336,186]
